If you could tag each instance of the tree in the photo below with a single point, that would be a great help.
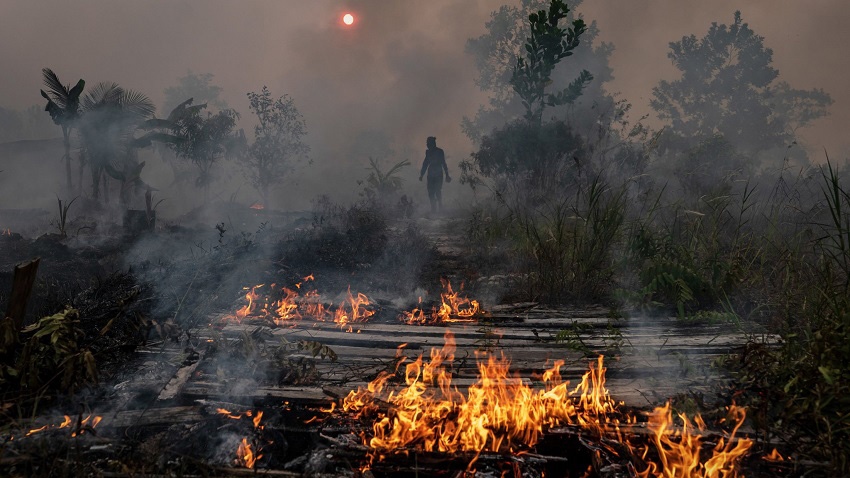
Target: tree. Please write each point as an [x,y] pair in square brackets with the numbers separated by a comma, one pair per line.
[278,141]
[63,105]
[544,49]
[204,139]
[728,87]
[194,85]
[529,151]
[110,118]
[496,52]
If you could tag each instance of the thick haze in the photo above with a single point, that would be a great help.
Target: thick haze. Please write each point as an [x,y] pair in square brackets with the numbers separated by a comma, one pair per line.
[400,73]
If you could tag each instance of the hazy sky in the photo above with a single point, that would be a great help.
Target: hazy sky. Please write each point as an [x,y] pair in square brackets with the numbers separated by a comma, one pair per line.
[400,70]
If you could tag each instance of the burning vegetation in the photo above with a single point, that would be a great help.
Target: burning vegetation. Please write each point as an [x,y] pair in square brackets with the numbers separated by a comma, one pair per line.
[602,299]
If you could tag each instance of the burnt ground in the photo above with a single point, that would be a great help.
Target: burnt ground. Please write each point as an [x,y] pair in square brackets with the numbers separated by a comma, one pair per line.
[154,312]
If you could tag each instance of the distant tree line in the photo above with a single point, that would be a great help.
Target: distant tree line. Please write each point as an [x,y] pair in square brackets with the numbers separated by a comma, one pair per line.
[111,124]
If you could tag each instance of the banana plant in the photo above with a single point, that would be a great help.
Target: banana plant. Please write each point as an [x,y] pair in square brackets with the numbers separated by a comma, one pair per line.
[63,105]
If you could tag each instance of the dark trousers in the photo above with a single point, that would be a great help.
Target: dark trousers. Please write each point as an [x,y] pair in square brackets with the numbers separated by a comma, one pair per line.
[435,192]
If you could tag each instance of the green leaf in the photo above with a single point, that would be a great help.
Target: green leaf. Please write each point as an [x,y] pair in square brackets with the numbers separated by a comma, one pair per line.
[827,374]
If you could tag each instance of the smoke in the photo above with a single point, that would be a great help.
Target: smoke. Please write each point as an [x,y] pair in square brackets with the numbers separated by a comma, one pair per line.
[400,70]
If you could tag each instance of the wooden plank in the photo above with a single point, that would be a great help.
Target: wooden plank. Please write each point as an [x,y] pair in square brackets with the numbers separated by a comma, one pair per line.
[307,395]
[22,282]
[183,374]
[153,416]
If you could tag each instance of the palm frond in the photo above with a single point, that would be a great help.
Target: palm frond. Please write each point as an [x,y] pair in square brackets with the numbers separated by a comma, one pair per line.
[397,167]
[57,90]
[103,93]
[137,103]
[77,90]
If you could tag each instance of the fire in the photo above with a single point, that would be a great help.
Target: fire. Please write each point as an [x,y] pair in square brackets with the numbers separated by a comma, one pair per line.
[258,206]
[453,308]
[250,308]
[773,456]
[502,413]
[83,424]
[293,304]
[255,418]
[679,451]
[245,456]
[498,413]
[7,232]
[356,311]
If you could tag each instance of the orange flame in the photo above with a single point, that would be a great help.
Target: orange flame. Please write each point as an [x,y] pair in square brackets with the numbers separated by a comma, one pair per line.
[498,413]
[503,413]
[88,422]
[250,308]
[245,456]
[452,308]
[295,306]
[679,451]
[257,419]
[356,311]
[773,456]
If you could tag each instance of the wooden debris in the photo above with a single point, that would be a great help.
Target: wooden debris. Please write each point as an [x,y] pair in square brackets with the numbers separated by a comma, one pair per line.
[22,283]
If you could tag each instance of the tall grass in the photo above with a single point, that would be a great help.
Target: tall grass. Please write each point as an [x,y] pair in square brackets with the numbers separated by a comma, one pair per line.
[773,260]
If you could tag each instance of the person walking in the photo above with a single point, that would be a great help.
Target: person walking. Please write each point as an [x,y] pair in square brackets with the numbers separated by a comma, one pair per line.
[435,166]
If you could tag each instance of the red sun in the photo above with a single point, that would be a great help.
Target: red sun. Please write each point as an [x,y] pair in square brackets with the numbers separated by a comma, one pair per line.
[348,19]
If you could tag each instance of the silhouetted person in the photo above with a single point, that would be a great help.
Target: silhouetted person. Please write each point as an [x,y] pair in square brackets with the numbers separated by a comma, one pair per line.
[435,165]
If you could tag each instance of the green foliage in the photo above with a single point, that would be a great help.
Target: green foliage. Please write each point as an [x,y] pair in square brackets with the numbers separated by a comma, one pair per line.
[835,242]
[571,243]
[496,52]
[204,139]
[52,357]
[278,141]
[798,389]
[547,45]
[729,87]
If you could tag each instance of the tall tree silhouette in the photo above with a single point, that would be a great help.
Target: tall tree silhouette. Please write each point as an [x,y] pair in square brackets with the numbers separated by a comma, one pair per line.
[63,105]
